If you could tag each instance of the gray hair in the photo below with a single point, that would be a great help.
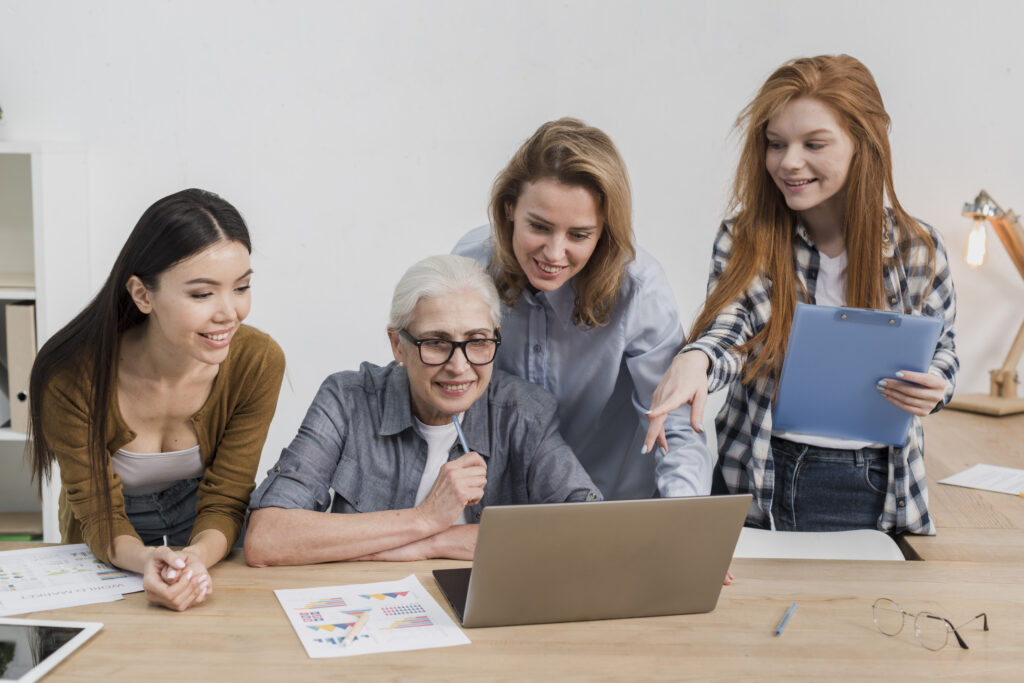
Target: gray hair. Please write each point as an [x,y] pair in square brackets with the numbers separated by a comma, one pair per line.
[437,276]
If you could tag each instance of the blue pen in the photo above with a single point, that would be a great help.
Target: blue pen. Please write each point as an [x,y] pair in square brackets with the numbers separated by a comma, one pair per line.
[462,434]
[785,618]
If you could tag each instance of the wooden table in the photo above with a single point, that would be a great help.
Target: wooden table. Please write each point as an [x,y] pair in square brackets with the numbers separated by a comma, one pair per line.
[972,525]
[242,633]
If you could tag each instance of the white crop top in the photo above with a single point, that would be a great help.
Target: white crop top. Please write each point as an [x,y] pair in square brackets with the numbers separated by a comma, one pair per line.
[145,473]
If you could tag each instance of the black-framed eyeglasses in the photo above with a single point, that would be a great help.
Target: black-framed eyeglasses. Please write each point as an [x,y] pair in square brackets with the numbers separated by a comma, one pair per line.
[440,351]
[931,630]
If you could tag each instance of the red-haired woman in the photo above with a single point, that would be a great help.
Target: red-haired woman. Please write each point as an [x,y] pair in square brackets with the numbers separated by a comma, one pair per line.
[817,221]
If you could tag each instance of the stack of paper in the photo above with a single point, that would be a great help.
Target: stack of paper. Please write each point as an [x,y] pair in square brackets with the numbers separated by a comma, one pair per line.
[989,478]
[39,579]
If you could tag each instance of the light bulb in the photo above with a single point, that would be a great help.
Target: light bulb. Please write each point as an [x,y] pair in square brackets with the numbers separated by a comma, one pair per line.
[976,243]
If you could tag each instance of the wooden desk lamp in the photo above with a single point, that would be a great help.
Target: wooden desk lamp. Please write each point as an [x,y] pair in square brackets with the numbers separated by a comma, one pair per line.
[1002,398]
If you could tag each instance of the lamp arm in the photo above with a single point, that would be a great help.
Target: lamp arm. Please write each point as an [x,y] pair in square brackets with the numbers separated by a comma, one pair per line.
[1008,228]
[1013,357]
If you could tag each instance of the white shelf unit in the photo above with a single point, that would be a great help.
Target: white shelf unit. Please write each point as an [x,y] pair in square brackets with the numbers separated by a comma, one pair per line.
[44,251]
[7,434]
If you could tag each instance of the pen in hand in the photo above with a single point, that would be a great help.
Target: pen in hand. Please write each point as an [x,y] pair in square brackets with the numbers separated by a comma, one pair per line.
[462,434]
[785,618]
[465,446]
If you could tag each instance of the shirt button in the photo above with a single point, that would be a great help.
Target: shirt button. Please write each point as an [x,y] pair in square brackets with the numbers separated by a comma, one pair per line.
[902,503]
[277,468]
[592,495]
[357,501]
[893,299]
[536,348]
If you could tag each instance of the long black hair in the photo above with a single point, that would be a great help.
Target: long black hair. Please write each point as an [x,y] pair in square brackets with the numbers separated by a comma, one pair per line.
[171,230]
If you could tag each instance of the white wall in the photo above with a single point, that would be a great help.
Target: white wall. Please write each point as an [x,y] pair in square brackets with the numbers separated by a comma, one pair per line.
[357,137]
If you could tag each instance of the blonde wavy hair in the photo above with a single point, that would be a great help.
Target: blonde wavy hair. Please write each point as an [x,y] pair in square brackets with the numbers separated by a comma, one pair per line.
[764,228]
[578,155]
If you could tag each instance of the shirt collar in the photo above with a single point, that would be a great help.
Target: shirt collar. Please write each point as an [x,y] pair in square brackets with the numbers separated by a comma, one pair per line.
[561,302]
[397,415]
[888,235]
[476,425]
[801,231]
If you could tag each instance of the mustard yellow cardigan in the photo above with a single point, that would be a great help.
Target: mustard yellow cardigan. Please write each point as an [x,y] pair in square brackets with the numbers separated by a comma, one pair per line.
[231,427]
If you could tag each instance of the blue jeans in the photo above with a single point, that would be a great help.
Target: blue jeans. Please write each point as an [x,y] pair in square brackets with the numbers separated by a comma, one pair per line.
[828,489]
[167,517]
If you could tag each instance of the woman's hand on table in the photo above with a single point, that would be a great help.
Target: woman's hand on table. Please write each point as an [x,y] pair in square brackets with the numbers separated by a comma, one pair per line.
[175,579]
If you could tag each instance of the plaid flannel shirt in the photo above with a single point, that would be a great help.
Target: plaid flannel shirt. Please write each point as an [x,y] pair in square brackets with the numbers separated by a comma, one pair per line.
[744,425]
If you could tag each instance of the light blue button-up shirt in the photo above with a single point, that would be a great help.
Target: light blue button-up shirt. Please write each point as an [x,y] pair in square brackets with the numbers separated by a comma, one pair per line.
[604,377]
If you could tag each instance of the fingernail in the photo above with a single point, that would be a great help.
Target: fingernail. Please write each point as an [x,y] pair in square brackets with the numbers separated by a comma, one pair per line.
[700,429]
[881,382]
[188,575]
[647,412]
[171,574]
[643,451]
[179,563]
[664,451]
[900,375]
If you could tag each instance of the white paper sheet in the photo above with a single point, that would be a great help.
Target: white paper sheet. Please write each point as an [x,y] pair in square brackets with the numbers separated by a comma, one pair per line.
[989,478]
[52,577]
[403,616]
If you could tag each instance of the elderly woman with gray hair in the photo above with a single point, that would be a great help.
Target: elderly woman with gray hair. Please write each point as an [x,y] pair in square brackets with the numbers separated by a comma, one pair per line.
[386,439]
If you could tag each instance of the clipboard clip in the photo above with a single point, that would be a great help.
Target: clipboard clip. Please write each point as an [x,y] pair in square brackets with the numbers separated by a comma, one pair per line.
[856,315]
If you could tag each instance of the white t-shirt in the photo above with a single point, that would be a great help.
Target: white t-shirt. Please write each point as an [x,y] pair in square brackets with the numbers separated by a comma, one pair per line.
[829,290]
[439,440]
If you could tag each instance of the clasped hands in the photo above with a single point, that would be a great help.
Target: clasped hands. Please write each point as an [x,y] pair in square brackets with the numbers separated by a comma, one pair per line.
[176,579]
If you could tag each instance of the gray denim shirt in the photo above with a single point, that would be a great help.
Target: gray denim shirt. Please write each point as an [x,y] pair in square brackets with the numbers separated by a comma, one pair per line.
[358,440]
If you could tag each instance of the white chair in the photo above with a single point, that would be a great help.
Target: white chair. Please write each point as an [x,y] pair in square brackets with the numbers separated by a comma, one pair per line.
[860,544]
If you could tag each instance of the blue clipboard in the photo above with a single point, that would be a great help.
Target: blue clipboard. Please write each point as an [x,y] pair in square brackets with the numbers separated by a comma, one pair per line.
[833,360]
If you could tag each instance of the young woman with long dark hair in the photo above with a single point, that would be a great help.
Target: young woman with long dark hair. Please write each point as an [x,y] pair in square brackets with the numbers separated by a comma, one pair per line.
[155,400]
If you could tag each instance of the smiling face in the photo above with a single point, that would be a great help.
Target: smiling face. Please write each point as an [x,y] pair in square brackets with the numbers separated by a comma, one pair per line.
[440,391]
[808,156]
[555,230]
[198,303]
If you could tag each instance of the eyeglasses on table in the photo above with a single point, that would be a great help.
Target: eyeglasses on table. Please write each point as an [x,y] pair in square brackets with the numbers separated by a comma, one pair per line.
[931,630]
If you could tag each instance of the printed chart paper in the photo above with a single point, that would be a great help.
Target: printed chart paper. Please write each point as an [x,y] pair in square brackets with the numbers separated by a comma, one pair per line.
[989,478]
[403,616]
[39,579]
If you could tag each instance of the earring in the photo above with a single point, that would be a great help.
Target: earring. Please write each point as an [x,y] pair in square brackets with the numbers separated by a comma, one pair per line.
[401,363]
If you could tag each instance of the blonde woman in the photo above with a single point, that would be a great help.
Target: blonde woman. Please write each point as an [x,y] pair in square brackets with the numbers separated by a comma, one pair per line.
[587,314]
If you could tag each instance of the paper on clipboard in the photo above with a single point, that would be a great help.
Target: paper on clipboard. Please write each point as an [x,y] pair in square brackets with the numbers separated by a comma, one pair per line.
[834,358]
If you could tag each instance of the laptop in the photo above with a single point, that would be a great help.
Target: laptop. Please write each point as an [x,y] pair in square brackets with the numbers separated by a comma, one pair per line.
[537,564]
